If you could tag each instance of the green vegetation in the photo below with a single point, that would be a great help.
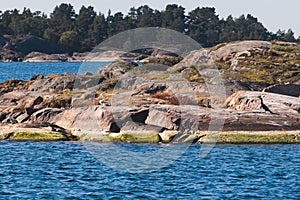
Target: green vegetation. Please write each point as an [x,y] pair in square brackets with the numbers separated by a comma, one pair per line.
[240,137]
[38,136]
[195,76]
[259,139]
[84,30]
[135,137]
[280,64]
[95,138]
[267,137]
[168,61]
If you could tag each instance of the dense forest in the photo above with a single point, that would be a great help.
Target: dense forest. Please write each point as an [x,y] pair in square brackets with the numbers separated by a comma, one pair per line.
[82,31]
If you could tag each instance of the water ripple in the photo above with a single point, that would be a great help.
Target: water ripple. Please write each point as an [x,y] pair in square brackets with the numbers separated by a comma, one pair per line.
[66,170]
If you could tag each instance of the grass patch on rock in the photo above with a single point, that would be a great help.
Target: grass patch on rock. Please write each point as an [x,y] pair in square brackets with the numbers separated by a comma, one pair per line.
[272,66]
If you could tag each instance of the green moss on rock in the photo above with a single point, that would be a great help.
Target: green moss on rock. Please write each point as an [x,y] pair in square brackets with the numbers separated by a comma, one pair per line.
[267,137]
[135,137]
[95,138]
[38,136]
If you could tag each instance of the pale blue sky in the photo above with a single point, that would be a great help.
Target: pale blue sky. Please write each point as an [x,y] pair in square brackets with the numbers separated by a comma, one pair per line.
[274,14]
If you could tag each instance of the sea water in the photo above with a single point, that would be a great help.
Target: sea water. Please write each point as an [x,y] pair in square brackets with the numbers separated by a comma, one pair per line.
[68,170]
[24,71]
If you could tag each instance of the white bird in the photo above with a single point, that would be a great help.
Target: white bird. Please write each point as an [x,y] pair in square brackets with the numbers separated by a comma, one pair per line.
[104,103]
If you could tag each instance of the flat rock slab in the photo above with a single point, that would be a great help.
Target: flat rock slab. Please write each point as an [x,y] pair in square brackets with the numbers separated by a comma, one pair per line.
[252,137]
[13,133]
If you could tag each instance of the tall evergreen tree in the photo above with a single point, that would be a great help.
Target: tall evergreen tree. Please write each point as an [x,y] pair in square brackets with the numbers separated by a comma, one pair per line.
[85,20]
[147,17]
[83,31]
[203,26]
[63,18]
[174,18]
[98,31]
[289,36]
[131,18]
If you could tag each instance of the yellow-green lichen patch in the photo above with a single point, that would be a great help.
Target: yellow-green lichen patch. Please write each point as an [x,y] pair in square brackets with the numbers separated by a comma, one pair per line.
[136,137]
[38,136]
[264,137]
[278,64]
[95,138]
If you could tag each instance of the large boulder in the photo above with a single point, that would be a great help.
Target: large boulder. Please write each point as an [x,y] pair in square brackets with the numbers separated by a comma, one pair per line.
[163,117]
[264,102]
[52,83]
[86,119]
[29,43]
[34,132]
[235,50]
[140,128]
[229,53]
[45,115]
[42,57]
[116,69]
[259,111]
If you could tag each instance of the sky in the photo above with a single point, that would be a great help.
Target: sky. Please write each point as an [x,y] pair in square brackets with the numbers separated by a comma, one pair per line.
[274,14]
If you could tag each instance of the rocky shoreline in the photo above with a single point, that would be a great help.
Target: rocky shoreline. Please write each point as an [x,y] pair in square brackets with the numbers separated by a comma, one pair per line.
[174,103]
[28,48]
[11,133]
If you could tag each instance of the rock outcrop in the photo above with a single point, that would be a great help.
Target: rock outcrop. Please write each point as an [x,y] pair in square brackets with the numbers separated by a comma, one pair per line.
[252,65]
[28,44]
[154,103]
[289,89]
[16,48]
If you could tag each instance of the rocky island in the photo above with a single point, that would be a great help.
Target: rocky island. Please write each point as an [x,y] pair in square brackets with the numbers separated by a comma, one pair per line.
[252,97]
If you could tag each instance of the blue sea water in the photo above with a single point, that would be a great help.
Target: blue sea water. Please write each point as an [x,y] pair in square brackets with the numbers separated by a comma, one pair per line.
[24,71]
[67,170]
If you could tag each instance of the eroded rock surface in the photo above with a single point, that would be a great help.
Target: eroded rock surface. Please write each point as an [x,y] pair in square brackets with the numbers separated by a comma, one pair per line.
[153,103]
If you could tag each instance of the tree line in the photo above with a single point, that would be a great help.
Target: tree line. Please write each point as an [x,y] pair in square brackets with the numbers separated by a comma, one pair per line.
[82,31]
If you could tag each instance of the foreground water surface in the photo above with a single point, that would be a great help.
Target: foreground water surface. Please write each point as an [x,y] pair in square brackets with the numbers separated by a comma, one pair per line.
[67,170]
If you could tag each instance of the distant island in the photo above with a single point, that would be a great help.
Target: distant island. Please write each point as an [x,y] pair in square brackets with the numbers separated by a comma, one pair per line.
[261,80]
[66,35]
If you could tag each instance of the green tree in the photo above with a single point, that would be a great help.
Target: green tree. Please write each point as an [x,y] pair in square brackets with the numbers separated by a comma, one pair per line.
[98,31]
[280,35]
[27,13]
[15,19]
[131,18]
[63,18]
[85,20]
[174,18]
[34,25]
[242,28]
[256,29]
[84,23]
[117,24]
[204,26]
[51,34]
[228,30]
[147,17]
[70,41]
[289,36]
